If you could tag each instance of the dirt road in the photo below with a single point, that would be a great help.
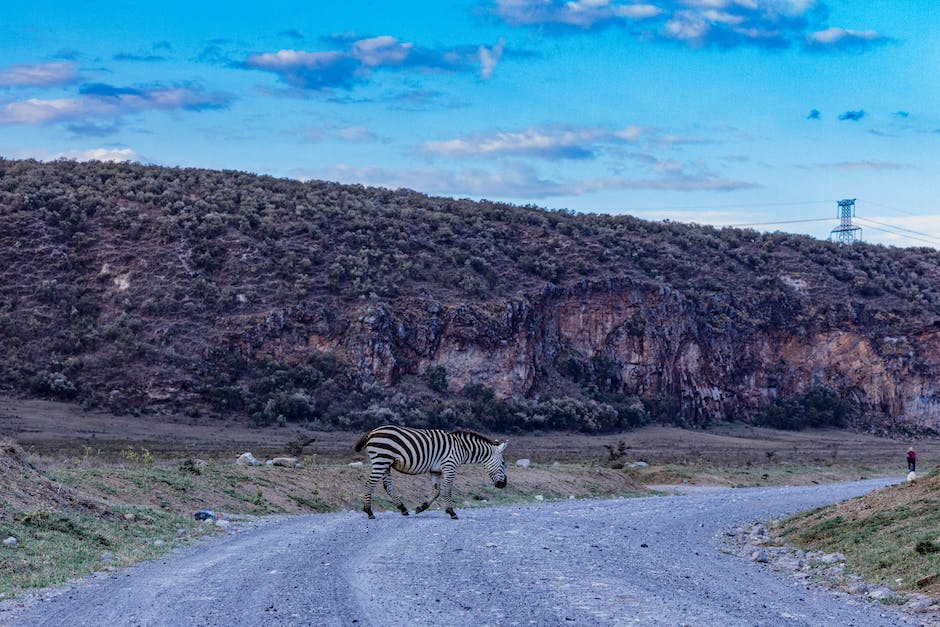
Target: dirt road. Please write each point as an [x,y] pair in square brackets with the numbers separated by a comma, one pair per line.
[653,560]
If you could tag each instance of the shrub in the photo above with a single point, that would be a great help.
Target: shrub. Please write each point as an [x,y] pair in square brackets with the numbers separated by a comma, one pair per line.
[437,378]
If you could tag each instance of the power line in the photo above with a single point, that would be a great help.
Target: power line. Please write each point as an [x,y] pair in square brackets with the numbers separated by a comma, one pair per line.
[934,242]
[728,206]
[895,209]
[902,228]
[738,226]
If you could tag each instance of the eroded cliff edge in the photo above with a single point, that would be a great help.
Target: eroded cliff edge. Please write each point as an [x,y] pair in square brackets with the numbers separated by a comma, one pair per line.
[147,289]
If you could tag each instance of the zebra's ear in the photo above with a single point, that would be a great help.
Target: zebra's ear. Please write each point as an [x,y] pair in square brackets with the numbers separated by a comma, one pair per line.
[502,447]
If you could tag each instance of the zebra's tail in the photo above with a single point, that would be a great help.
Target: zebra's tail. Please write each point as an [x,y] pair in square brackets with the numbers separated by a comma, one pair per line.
[362,441]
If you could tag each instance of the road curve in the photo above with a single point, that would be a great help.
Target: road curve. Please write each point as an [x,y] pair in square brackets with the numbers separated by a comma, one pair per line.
[649,561]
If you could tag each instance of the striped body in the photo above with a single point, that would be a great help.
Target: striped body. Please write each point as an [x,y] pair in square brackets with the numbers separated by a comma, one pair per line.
[419,451]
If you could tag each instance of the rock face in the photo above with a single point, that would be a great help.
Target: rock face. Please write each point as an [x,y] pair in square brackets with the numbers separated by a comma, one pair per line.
[711,359]
[144,289]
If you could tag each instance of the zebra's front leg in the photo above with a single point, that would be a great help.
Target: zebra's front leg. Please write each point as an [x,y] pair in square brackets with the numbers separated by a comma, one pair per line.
[436,486]
[390,490]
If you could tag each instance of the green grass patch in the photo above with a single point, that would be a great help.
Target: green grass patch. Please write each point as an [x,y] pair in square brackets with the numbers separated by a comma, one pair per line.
[892,535]
[55,546]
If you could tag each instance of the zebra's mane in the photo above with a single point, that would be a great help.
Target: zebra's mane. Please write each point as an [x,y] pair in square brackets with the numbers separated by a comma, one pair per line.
[474,434]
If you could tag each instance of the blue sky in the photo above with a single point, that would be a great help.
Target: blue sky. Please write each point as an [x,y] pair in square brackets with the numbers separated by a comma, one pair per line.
[726,112]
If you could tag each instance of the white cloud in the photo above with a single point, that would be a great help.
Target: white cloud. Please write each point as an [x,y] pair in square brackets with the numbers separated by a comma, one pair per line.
[384,50]
[862,165]
[99,154]
[43,74]
[835,35]
[342,133]
[514,180]
[103,101]
[770,24]
[489,57]
[291,59]
[554,141]
[89,154]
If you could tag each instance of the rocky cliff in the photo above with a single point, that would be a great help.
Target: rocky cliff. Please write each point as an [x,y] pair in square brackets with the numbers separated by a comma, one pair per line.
[142,288]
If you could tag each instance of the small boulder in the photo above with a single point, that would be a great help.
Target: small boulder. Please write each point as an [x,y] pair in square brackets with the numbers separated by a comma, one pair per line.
[356,464]
[204,514]
[523,463]
[10,542]
[761,556]
[247,459]
[225,525]
[883,593]
[287,462]
[911,476]
[637,464]
[832,558]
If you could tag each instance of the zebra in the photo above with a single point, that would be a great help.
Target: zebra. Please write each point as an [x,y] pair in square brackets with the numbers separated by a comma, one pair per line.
[417,451]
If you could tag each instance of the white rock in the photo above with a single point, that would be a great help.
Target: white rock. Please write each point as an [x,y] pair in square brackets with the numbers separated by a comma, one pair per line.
[832,558]
[539,497]
[760,555]
[639,464]
[911,476]
[10,541]
[287,462]
[523,463]
[882,593]
[224,524]
[356,464]
[247,459]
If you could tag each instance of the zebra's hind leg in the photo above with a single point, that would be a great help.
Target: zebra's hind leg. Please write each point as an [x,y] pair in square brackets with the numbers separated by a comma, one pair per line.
[390,489]
[436,486]
[449,474]
[378,471]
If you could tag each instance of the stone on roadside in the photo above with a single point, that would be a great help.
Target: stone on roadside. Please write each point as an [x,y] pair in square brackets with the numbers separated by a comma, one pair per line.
[247,459]
[760,555]
[637,464]
[225,525]
[204,514]
[523,463]
[921,603]
[287,462]
[10,542]
[832,558]
[356,464]
[883,593]
[108,557]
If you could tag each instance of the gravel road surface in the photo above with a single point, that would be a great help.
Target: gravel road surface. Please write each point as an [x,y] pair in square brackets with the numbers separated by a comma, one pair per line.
[649,561]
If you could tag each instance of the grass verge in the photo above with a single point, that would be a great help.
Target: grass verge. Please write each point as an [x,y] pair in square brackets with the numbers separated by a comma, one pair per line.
[891,535]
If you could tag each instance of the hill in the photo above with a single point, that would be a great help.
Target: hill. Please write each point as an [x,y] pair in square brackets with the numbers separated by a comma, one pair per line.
[146,289]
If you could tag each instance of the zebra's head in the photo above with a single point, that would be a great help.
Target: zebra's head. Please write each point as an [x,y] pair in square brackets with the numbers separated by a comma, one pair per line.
[497,466]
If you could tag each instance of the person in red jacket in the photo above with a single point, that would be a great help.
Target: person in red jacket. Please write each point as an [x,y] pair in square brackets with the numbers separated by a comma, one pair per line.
[911,459]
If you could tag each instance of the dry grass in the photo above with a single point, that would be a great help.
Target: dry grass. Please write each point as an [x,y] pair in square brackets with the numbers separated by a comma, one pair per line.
[890,535]
[78,483]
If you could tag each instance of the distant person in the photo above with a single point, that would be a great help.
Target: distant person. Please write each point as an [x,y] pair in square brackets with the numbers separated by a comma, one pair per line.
[911,460]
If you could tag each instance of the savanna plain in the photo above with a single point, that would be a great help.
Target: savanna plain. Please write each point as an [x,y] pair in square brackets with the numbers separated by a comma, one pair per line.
[87,491]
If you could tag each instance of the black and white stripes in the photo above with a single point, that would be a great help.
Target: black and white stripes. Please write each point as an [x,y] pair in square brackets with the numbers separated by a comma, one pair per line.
[417,451]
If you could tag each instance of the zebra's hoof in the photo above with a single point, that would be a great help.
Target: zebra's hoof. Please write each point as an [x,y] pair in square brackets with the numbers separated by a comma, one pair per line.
[403,510]
[368,511]
[452,513]
[421,508]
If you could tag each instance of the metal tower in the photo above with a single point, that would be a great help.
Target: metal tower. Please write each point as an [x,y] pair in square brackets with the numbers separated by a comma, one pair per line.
[846,232]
